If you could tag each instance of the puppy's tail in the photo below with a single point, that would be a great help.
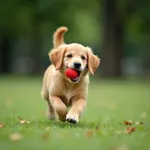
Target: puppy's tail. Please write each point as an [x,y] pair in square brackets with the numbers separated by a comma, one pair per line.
[58,37]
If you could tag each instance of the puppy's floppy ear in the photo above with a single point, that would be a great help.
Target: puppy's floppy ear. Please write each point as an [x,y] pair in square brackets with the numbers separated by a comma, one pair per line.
[56,56]
[93,61]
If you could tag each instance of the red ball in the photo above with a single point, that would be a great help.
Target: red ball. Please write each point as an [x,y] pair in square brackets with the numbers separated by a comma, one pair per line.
[70,73]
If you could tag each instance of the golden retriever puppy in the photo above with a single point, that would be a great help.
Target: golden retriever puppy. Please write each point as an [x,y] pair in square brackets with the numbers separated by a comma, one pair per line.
[58,90]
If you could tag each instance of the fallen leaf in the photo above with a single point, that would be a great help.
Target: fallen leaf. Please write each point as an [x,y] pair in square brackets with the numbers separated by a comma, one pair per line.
[137,123]
[1,125]
[130,130]
[97,128]
[15,137]
[45,136]
[128,122]
[89,133]
[23,121]
[121,147]
[47,128]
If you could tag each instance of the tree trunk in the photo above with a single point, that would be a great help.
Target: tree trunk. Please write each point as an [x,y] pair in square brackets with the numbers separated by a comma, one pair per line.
[113,39]
[5,54]
[36,49]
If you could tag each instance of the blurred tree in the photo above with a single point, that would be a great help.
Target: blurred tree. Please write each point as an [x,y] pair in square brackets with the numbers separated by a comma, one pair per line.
[6,15]
[33,22]
[36,20]
[113,39]
[116,15]
[5,54]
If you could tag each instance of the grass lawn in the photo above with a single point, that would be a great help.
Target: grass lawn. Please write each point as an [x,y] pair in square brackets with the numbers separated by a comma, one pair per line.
[110,103]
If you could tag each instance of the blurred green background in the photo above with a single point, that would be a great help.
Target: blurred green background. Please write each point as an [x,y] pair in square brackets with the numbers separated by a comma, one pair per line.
[118,31]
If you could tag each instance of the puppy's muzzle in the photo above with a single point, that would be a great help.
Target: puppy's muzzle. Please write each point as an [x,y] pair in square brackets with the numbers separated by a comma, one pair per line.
[77,65]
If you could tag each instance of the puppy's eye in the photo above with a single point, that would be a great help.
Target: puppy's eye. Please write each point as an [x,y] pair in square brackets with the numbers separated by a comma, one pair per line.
[83,57]
[69,55]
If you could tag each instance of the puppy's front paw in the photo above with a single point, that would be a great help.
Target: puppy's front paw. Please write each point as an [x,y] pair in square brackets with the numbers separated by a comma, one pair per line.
[72,118]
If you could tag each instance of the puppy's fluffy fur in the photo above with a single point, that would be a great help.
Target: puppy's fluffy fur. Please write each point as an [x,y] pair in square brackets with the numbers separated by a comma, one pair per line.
[60,91]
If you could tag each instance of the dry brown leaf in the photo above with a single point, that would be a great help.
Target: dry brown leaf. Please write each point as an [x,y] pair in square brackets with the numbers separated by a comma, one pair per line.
[23,121]
[130,130]
[47,128]
[1,125]
[89,133]
[45,136]
[128,122]
[15,137]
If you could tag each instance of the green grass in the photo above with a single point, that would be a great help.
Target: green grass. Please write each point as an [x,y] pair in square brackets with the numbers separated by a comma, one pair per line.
[101,126]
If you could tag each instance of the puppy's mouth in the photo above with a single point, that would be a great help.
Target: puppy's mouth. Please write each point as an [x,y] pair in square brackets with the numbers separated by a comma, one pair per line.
[73,75]
[77,78]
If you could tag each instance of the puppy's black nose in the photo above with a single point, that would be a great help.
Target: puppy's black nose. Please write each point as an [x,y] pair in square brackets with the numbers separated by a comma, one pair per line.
[77,65]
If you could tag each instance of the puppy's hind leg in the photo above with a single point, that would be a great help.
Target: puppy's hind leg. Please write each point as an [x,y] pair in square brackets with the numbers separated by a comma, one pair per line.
[59,107]
[51,112]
